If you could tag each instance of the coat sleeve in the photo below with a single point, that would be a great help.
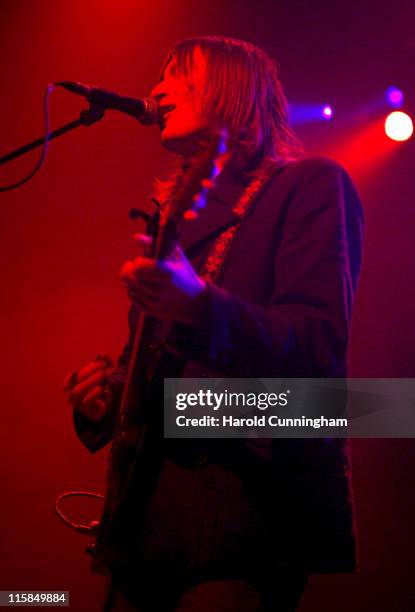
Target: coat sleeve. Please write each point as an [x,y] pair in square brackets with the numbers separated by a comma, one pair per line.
[94,435]
[304,330]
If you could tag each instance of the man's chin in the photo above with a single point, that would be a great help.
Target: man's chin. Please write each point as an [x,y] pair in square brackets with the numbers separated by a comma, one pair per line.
[185,144]
[181,144]
[169,141]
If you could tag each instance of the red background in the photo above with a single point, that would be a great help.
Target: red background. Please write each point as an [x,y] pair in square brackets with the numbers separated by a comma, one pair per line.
[66,233]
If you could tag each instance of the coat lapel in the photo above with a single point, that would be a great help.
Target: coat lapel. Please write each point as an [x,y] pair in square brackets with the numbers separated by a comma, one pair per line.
[217,216]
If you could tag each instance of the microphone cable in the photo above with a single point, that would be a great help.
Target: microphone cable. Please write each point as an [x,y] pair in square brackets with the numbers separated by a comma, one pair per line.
[89,529]
[98,104]
[44,150]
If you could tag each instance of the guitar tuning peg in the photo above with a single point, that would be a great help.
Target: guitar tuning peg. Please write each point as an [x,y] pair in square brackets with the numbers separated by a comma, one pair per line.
[190,215]
[215,170]
[208,184]
[152,221]
[199,201]
[135,214]
[222,149]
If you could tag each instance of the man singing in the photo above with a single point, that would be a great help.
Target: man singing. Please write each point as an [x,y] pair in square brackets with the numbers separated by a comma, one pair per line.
[261,285]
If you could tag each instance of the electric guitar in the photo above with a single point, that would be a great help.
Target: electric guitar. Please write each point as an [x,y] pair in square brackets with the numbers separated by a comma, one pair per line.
[188,195]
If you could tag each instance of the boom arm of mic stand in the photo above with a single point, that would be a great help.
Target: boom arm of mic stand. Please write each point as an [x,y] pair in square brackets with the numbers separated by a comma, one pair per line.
[87,117]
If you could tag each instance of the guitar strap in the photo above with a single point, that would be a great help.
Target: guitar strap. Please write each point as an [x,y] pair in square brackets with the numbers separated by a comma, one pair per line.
[216,258]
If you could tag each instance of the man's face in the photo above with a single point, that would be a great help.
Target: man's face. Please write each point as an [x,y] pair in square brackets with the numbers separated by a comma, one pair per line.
[180,103]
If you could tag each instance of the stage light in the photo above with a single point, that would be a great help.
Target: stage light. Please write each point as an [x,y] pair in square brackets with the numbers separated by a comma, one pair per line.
[394,96]
[327,112]
[307,113]
[399,126]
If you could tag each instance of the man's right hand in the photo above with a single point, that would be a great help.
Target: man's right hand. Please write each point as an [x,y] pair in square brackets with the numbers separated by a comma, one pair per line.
[87,389]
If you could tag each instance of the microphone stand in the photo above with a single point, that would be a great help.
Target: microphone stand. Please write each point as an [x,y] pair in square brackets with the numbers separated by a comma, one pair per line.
[87,117]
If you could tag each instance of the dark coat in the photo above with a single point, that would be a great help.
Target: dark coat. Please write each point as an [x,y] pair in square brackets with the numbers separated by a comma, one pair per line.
[283,308]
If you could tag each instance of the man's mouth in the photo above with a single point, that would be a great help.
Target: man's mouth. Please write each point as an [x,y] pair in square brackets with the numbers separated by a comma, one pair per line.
[165,110]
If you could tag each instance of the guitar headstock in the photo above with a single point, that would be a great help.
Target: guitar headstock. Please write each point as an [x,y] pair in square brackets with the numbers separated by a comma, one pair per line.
[191,190]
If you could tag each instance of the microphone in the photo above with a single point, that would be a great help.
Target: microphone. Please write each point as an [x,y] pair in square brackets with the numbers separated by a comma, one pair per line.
[143,109]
